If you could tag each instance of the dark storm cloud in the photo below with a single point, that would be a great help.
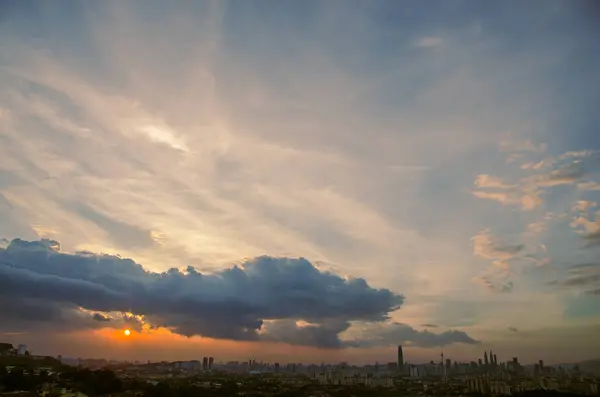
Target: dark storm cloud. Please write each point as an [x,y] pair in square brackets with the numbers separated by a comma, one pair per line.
[88,290]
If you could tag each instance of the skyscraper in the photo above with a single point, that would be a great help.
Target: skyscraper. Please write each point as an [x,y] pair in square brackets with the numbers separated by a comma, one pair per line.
[486,362]
[400,360]
[211,360]
[205,363]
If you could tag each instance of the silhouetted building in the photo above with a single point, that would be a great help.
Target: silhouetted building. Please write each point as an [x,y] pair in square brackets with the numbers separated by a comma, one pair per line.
[400,360]
[204,363]
[485,359]
[211,360]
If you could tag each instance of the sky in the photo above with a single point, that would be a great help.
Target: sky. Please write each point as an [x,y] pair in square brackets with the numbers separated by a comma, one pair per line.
[300,181]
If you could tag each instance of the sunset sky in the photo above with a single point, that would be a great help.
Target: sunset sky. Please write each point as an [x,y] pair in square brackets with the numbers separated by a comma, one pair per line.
[300,180]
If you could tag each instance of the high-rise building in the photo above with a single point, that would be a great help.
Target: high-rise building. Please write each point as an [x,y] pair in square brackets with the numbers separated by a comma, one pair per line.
[485,359]
[204,363]
[400,360]
[495,360]
[211,360]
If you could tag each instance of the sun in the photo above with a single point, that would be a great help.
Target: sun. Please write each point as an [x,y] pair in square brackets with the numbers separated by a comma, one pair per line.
[127,332]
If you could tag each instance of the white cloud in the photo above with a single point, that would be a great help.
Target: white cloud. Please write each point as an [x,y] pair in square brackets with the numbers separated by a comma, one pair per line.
[583,205]
[489,181]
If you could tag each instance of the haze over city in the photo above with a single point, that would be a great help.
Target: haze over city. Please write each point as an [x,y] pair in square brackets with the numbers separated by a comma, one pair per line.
[316,180]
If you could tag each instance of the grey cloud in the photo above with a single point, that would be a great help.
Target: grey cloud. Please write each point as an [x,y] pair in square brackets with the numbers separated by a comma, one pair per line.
[101,317]
[581,280]
[262,299]
[593,239]
[501,287]
[232,303]
[45,316]
[581,276]
[398,333]
[572,171]
[429,325]
[324,335]
[513,329]
[584,268]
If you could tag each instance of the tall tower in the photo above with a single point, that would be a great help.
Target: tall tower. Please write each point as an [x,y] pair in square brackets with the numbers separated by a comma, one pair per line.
[400,360]
[444,367]
[485,359]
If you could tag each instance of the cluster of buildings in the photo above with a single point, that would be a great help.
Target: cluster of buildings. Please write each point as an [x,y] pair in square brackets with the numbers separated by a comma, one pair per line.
[485,375]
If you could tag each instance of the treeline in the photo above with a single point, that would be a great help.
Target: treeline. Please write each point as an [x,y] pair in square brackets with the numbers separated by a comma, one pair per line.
[92,383]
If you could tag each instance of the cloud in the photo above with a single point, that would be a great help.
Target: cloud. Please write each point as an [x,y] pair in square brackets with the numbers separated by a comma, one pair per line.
[501,197]
[392,334]
[538,165]
[101,317]
[583,277]
[429,325]
[496,287]
[593,238]
[489,247]
[564,175]
[589,229]
[429,42]
[489,181]
[233,303]
[325,335]
[577,154]
[527,197]
[513,329]
[583,206]
[590,186]
[526,192]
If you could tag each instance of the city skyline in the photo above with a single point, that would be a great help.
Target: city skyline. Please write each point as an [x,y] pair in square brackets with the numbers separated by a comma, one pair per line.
[307,179]
[207,363]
